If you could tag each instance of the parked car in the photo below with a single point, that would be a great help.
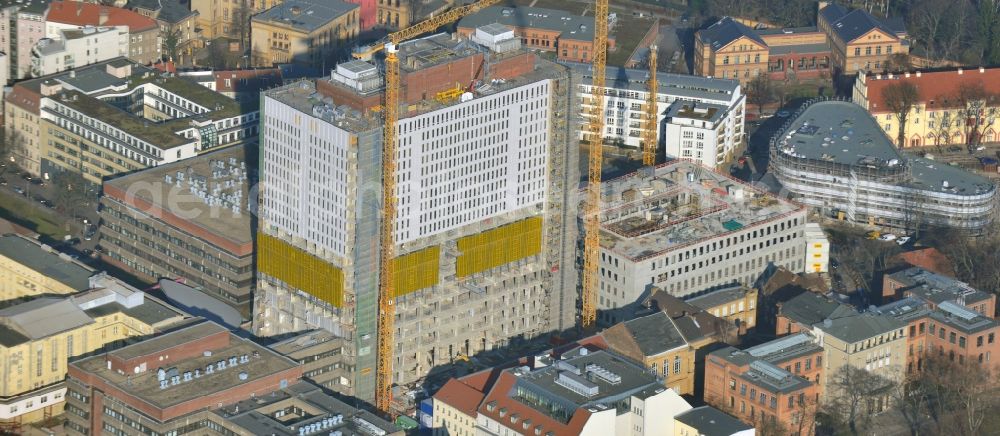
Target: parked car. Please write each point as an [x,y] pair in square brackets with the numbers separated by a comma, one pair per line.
[3,181]
[887,237]
[782,114]
[19,190]
[903,240]
[89,232]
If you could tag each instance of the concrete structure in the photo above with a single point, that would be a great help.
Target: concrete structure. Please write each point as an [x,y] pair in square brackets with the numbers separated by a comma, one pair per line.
[869,341]
[707,420]
[144,45]
[817,249]
[778,380]
[172,381]
[40,336]
[686,229]
[736,304]
[216,19]
[484,226]
[321,354]
[307,32]
[858,40]
[117,116]
[186,220]
[4,68]
[940,115]
[834,157]
[30,269]
[174,18]
[73,48]
[581,392]
[23,25]
[570,36]
[626,92]
[400,14]
[934,289]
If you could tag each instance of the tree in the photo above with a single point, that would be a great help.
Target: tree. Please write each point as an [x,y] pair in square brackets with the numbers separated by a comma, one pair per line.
[11,146]
[900,97]
[909,399]
[854,394]
[959,395]
[898,62]
[171,43]
[973,100]
[71,192]
[760,92]
[240,23]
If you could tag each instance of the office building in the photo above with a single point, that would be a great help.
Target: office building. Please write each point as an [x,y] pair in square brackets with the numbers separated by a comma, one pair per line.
[40,337]
[870,341]
[144,45]
[686,229]
[117,116]
[570,36]
[306,32]
[834,157]
[581,392]
[77,48]
[30,269]
[707,420]
[189,221]
[484,224]
[778,380]
[938,116]
[174,382]
[709,141]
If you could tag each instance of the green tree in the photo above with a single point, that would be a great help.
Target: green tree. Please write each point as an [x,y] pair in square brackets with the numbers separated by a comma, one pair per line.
[171,44]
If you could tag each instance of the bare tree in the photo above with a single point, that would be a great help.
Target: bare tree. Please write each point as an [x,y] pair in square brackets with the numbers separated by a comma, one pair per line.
[240,23]
[900,97]
[760,92]
[960,395]
[899,62]
[11,146]
[853,393]
[973,100]
[71,192]
[909,399]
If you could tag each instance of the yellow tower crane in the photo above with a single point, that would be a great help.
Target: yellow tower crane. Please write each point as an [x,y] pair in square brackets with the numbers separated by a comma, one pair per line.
[649,138]
[386,292]
[592,208]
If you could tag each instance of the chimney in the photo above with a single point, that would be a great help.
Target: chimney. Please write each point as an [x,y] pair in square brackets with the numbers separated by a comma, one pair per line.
[960,72]
[103,17]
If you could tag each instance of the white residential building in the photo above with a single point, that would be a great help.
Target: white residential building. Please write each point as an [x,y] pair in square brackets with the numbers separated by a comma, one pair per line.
[78,47]
[702,132]
[817,249]
[625,101]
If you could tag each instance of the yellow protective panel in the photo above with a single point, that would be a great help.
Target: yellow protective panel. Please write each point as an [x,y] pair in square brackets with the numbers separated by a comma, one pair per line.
[417,270]
[300,269]
[499,246]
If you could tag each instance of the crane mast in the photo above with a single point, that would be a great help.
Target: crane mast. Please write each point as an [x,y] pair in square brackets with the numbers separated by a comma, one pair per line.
[649,138]
[387,286]
[592,208]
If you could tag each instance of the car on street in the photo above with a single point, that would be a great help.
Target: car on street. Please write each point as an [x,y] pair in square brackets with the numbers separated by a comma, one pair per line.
[3,181]
[887,237]
[903,240]
[89,232]
[19,190]
[782,114]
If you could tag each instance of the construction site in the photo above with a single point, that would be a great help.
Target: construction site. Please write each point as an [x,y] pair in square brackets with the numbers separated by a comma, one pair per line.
[688,230]
[484,220]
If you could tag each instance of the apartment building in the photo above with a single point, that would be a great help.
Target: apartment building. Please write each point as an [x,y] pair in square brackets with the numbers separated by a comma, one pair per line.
[570,36]
[144,39]
[117,116]
[698,119]
[483,226]
[29,269]
[777,380]
[834,157]
[707,420]
[859,41]
[188,220]
[22,24]
[43,334]
[305,32]
[941,116]
[80,47]
[686,229]
[581,392]
[174,18]
[735,304]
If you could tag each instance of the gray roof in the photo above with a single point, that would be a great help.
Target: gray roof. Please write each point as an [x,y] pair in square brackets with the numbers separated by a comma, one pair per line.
[168,11]
[775,379]
[727,30]
[936,288]
[198,303]
[798,48]
[48,46]
[655,333]
[44,317]
[809,308]
[710,421]
[846,134]
[787,30]
[35,6]
[633,379]
[962,318]
[860,327]
[857,23]
[678,85]
[306,15]
[719,297]
[92,79]
[571,26]
[905,310]
[49,264]
[833,12]
[777,351]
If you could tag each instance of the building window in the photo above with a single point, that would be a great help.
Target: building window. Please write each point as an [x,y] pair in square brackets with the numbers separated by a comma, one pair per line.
[677,364]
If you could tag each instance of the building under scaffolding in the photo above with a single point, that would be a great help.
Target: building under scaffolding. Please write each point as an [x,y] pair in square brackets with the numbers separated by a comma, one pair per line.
[485,225]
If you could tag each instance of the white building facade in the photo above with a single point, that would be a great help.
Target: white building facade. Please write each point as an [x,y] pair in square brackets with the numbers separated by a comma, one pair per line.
[705,133]
[78,47]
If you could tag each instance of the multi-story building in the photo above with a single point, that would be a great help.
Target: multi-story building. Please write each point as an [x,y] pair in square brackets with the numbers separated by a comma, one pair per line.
[144,45]
[117,116]
[934,289]
[483,227]
[42,335]
[736,304]
[941,115]
[834,157]
[175,20]
[687,229]
[78,47]
[570,36]
[859,41]
[400,14]
[22,24]
[870,341]
[186,220]
[802,312]
[173,382]
[729,49]
[221,18]
[303,31]
[777,380]
[817,249]
[29,269]
[581,392]
[321,354]
[626,92]
[707,420]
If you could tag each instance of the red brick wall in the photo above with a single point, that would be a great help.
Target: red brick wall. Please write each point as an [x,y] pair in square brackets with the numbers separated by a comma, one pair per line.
[425,83]
[342,95]
[174,354]
[785,326]
[513,67]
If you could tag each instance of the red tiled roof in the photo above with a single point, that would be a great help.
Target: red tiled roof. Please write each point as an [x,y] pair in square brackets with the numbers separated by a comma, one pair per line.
[939,86]
[84,14]
[929,259]
[24,98]
[461,396]
[500,394]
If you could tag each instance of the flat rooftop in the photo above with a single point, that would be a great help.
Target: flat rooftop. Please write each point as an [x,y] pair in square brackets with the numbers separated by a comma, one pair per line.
[570,26]
[775,352]
[626,378]
[45,261]
[711,421]
[710,112]
[652,211]
[205,190]
[305,15]
[774,378]
[146,387]
[678,85]
[844,133]
[937,288]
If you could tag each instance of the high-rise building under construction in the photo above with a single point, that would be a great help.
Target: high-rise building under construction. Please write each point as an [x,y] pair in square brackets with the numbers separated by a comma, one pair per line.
[486,205]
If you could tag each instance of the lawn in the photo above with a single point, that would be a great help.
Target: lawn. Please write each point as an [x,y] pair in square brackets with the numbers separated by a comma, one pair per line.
[42,221]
